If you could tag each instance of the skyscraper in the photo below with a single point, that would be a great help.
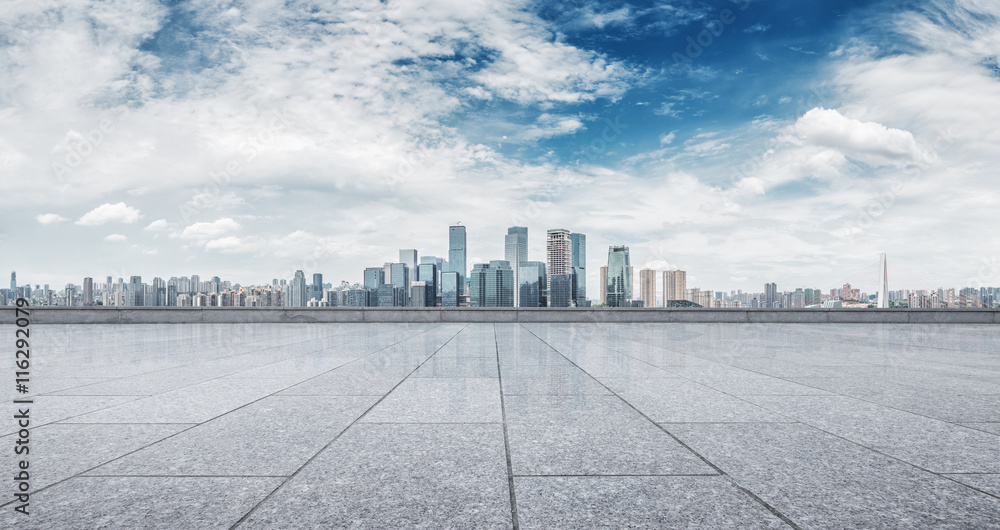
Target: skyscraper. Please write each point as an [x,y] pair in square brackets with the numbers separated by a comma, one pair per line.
[136,292]
[516,252]
[428,273]
[88,291]
[317,286]
[492,285]
[770,296]
[674,285]
[450,289]
[647,287]
[532,284]
[604,285]
[440,263]
[298,290]
[374,276]
[408,257]
[13,284]
[401,280]
[578,266]
[560,290]
[619,282]
[456,254]
[558,254]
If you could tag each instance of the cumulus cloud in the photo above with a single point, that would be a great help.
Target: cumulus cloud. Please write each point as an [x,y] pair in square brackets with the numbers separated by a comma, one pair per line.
[50,218]
[158,225]
[109,213]
[869,142]
[115,237]
[206,231]
[667,139]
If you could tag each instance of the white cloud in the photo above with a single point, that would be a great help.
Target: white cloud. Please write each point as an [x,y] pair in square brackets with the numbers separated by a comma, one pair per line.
[667,139]
[548,126]
[50,218]
[869,142]
[206,231]
[115,237]
[158,225]
[224,243]
[109,213]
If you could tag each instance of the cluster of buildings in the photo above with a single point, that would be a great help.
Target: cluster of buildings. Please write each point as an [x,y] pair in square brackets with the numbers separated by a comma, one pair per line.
[560,280]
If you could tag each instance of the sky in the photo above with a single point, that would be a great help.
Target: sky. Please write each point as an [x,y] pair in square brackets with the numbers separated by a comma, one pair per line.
[744,141]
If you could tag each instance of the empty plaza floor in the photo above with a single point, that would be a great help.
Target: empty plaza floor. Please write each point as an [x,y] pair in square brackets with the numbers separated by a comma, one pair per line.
[479,425]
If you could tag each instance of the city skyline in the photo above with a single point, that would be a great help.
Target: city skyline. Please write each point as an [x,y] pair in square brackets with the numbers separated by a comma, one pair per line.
[743,141]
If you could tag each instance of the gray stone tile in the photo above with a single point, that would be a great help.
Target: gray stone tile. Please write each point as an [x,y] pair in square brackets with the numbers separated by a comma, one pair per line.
[551,380]
[637,502]
[59,451]
[364,377]
[287,429]
[670,400]
[48,409]
[440,400]
[985,482]
[988,427]
[820,481]
[444,366]
[399,476]
[193,404]
[931,444]
[147,502]
[624,444]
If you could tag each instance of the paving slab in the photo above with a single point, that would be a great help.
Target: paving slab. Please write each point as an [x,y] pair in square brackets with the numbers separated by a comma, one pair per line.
[398,476]
[147,502]
[440,400]
[821,481]
[274,436]
[638,502]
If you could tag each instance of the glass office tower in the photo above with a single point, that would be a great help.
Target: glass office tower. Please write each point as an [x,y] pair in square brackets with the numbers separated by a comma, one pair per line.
[532,284]
[450,289]
[619,280]
[456,254]
[578,266]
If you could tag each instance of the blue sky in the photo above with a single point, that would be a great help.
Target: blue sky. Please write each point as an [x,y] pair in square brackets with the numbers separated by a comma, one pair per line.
[743,141]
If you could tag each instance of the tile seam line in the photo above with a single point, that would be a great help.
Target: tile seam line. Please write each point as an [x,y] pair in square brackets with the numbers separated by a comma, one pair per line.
[39,490]
[515,518]
[295,473]
[774,511]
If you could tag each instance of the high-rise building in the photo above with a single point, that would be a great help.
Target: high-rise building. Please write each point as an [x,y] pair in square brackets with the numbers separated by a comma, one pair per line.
[619,283]
[13,284]
[450,289]
[298,290]
[70,294]
[88,291]
[647,287]
[674,285]
[440,263]
[532,284]
[317,287]
[419,292]
[558,250]
[604,285]
[408,257]
[401,280]
[196,285]
[578,266]
[136,292]
[457,254]
[770,296]
[374,277]
[560,290]
[492,285]
[428,273]
[516,252]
